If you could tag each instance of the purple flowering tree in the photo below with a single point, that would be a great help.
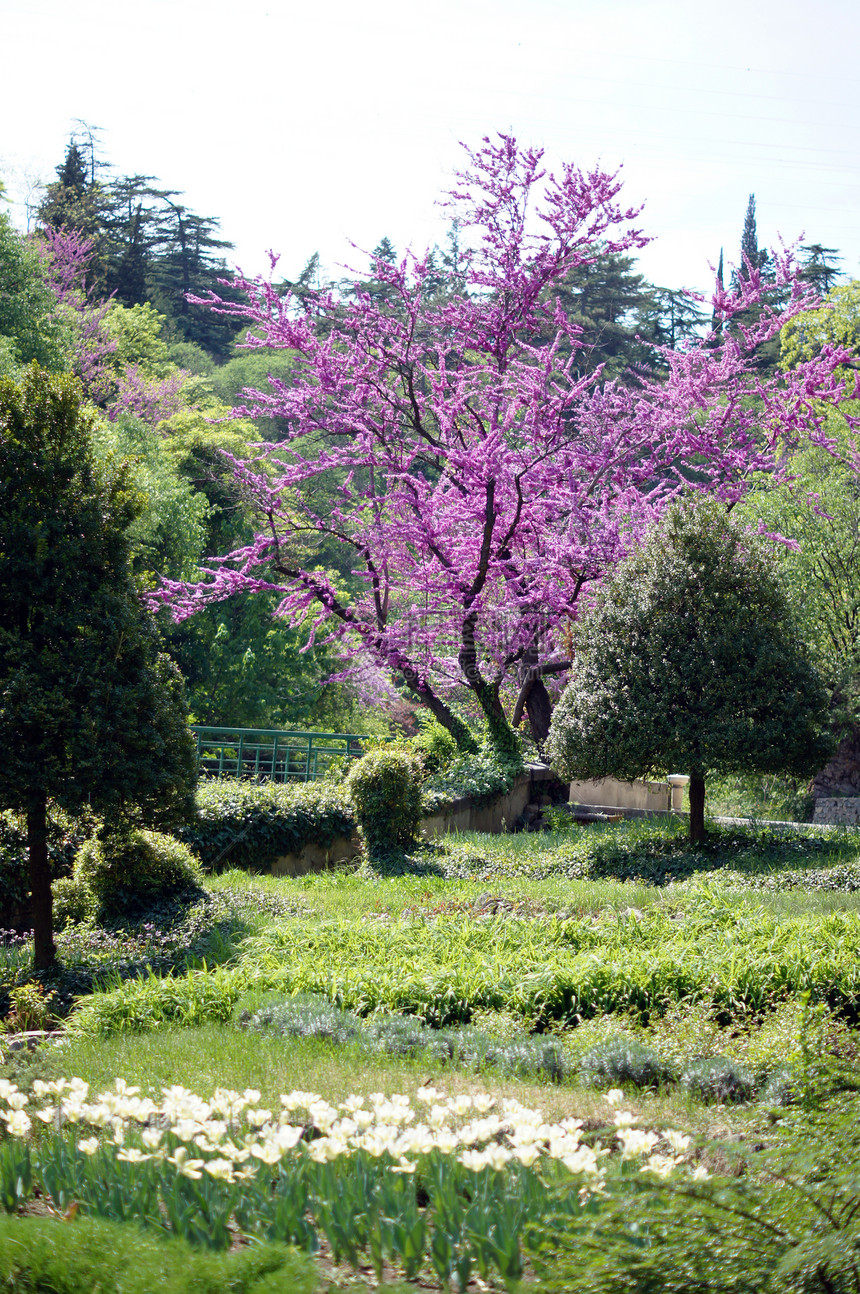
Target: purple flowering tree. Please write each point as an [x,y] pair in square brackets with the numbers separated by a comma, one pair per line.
[118,388]
[479,487]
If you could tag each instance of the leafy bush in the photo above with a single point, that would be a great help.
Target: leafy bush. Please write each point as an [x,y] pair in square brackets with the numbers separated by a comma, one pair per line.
[484,777]
[250,824]
[74,902]
[623,1060]
[434,745]
[130,872]
[717,1078]
[385,788]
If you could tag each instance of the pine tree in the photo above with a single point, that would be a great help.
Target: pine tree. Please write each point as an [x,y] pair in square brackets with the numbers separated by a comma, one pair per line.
[820,266]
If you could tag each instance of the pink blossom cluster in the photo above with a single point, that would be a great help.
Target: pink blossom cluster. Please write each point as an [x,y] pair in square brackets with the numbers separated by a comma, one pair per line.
[446,440]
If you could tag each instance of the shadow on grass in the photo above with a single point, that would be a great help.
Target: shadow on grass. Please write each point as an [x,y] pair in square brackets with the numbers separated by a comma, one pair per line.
[654,851]
[171,937]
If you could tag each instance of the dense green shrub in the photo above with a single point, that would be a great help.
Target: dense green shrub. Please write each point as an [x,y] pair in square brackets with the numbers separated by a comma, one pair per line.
[385,788]
[250,824]
[74,902]
[129,872]
[623,1060]
[434,745]
[717,1078]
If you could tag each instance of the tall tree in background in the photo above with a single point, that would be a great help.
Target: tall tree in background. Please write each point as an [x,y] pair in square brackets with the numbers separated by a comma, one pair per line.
[820,266]
[477,482]
[612,306]
[90,712]
[752,257]
[146,245]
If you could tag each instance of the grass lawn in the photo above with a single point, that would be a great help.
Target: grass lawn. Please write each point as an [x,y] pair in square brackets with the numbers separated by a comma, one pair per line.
[719,989]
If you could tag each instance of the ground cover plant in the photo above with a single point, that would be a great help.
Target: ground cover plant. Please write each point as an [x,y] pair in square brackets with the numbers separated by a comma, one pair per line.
[515,968]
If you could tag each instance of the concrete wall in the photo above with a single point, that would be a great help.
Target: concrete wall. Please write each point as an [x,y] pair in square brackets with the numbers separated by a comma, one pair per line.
[316,858]
[640,797]
[462,815]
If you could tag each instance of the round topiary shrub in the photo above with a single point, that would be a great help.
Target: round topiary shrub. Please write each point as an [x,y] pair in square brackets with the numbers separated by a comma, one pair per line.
[128,873]
[717,1078]
[623,1060]
[385,788]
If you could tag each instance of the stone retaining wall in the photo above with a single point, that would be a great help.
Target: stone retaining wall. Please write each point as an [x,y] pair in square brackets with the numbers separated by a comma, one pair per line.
[837,810]
[461,815]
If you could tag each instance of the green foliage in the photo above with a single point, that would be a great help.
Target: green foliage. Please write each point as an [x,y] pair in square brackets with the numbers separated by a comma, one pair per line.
[710,945]
[836,322]
[762,796]
[483,777]
[65,836]
[39,1255]
[717,1078]
[29,330]
[819,511]
[688,660]
[169,536]
[782,1220]
[385,787]
[129,872]
[91,713]
[139,1005]
[434,745]
[250,824]
[623,1059]
[74,903]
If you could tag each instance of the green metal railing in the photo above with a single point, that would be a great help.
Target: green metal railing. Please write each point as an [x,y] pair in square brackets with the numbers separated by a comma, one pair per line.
[276,756]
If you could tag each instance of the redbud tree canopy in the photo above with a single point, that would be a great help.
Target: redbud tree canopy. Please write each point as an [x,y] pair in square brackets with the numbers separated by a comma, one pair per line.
[478,485]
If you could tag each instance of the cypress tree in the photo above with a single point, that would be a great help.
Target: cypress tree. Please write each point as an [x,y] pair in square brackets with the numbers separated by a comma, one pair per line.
[90,711]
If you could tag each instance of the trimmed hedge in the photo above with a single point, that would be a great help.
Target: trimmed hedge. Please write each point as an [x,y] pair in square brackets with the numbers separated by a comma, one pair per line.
[127,874]
[250,824]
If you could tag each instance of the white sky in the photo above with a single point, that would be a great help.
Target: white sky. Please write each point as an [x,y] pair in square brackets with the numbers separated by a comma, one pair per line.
[304,125]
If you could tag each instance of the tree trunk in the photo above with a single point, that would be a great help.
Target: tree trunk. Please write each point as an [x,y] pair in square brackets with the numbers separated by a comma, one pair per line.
[503,739]
[445,715]
[44,952]
[539,711]
[697,808]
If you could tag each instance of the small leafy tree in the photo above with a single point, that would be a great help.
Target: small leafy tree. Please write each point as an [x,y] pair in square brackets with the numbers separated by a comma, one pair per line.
[90,711]
[688,660]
